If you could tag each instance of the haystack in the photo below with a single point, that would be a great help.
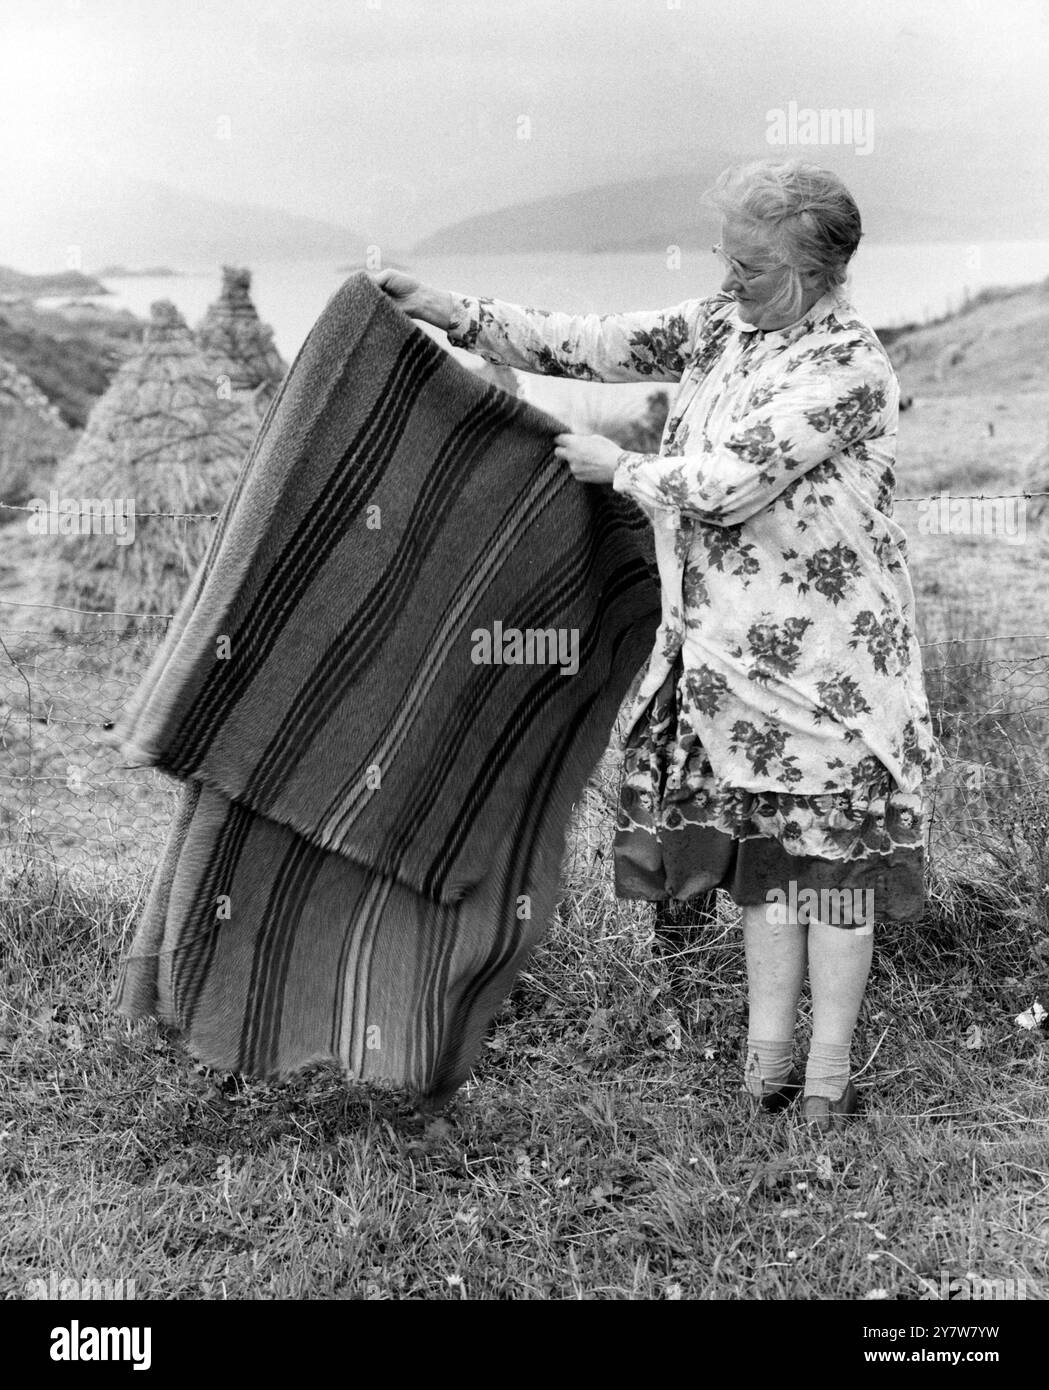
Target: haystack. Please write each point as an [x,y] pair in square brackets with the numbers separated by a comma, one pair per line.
[164,436]
[33,437]
[237,346]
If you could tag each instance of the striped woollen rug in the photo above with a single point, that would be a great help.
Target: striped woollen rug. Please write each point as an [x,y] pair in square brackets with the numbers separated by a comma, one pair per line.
[369,833]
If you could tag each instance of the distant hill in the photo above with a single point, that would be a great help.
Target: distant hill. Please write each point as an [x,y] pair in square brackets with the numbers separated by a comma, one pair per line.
[917,186]
[121,272]
[70,282]
[634,214]
[108,218]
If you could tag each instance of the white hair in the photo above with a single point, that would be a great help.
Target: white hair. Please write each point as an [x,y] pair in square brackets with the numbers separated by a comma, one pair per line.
[811,215]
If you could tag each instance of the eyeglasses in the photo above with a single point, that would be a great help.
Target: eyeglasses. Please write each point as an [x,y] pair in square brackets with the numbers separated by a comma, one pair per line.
[747,276]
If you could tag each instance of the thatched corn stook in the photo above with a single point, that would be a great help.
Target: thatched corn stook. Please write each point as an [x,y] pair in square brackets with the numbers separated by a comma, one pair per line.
[33,436]
[237,346]
[167,436]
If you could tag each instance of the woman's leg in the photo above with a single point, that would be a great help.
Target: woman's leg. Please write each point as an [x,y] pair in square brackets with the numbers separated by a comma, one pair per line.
[775,952]
[839,964]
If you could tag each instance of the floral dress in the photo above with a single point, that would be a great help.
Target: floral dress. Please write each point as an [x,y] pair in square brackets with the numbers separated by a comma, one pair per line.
[781,731]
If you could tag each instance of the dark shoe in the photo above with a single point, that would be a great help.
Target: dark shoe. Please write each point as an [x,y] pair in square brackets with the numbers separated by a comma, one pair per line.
[825,1115]
[774,1101]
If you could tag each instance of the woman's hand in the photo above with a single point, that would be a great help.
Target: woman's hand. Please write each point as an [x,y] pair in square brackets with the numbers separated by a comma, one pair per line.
[404,290]
[414,298]
[591,457]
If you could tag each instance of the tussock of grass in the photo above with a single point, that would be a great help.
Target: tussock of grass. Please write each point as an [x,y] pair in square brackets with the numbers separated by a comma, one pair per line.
[603,1151]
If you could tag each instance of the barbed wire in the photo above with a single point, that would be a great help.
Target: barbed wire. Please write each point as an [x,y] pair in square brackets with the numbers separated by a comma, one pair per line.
[996,637]
[922,497]
[971,496]
[990,662]
[167,617]
[174,516]
[85,612]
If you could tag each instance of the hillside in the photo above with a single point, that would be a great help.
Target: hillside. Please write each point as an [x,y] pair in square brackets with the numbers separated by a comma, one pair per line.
[119,219]
[71,355]
[17,283]
[998,343]
[123,272]
[612,216]
[970,202]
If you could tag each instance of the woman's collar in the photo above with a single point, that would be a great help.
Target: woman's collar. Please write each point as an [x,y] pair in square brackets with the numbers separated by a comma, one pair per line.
[789,331]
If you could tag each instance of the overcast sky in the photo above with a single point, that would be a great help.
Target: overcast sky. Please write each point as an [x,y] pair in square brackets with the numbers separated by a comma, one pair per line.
[406,114]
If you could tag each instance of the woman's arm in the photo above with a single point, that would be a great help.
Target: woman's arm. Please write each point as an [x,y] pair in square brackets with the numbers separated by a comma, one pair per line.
[648,345]
[814,412]
[651,345]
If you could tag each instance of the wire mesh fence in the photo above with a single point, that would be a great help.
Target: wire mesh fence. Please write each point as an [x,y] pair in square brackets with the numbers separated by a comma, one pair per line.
[65,794]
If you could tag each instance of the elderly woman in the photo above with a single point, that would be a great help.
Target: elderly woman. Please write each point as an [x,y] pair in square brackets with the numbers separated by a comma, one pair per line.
[781,734]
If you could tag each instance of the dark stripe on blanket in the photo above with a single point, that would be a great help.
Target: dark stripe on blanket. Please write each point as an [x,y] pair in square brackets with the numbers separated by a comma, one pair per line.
[264,1011]
[348,493]
[524,721]
[510,937]
[555,591]
[358,642]
[199,947]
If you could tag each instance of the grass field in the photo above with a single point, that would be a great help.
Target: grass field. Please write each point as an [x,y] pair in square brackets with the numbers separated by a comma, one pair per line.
[604,1149]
